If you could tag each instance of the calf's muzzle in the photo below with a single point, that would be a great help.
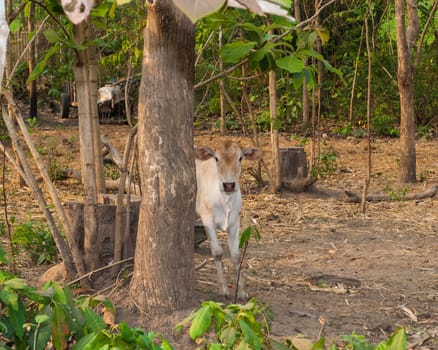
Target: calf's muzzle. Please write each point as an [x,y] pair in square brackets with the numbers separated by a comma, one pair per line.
[229,186]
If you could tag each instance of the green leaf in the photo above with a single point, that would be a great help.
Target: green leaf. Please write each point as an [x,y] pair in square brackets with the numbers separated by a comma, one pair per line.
[324,35]
[250,337]
[243,345]
[42,65]
[398,340]
[43,334]
[51,36]
[41,318]
[201,323]
[16,283]
[320,344]
[235,51]
[126,332]
[291,64]
[228,336]
[93,321]
[60,329]
[277,124]
[165,345]
[85,342]
[102,10]
[180,326]
[244,236]
[17,315]
[59,295]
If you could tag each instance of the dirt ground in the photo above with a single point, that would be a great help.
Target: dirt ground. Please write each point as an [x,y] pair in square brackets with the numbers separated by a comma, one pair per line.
[324,267]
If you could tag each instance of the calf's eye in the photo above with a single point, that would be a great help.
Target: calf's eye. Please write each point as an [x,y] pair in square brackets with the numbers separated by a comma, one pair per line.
[217,159]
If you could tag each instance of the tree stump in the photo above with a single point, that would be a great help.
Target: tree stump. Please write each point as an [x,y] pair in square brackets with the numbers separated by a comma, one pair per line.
[293,169]
[106,216]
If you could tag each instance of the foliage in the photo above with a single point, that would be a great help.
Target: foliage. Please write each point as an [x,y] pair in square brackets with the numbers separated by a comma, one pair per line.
[266,44]
[383,125]
[397,194]
[425,131]
[348,129]
[397,341]
[216,326]
[31,318]
[35,238]
[327,163]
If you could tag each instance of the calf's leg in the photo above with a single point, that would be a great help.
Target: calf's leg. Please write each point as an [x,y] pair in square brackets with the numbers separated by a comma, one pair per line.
[233,245]
[217,253]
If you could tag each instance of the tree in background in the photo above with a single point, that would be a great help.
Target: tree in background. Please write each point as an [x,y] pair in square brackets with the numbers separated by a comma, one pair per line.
[407,29]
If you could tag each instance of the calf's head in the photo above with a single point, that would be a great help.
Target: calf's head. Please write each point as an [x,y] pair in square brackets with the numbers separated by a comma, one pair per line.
[228,156]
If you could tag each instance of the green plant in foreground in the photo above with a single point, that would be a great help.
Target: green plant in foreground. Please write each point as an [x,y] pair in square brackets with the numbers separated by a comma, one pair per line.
[215,326]
[397,341]
[31,319]
[218,327]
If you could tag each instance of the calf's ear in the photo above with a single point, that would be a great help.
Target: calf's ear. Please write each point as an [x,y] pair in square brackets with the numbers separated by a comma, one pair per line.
[253,153]
[203,153]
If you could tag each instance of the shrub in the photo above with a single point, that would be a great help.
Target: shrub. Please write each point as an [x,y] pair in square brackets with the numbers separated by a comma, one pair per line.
[35,238]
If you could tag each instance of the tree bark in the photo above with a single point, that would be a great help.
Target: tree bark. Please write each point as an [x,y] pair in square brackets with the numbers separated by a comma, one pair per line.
[275,166]
[405,43]
[92,81]
[306,114]
[222,89]
[86,145]
[162,281]
[33,108]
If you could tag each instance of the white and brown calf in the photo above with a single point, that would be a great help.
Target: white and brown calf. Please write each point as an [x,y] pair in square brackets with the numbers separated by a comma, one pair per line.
[218,200]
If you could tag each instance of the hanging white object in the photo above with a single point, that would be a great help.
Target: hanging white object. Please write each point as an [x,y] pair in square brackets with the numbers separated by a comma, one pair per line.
[196,9]
[4,33]
[77,10]
[264,5]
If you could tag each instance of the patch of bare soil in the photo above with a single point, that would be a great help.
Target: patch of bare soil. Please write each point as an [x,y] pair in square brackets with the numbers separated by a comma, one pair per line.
[324,267]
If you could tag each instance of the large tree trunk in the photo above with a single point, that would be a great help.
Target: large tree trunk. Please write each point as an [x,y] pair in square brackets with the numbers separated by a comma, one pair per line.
[405,42]
[163,272]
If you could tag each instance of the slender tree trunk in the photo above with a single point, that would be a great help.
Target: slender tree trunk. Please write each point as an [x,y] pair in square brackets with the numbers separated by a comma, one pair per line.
[163,271]
[353,85]
[367,42]
[88,169]
[8,68]
[275,166]
[97,144]
[33,101]
[306,104]
[4,34]
[406,38]
[222,89]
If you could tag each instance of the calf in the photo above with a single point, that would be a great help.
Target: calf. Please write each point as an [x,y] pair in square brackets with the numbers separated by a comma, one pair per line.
[218,200]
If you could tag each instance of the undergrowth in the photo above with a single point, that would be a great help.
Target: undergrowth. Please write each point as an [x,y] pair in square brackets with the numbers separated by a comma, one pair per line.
[53,318]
